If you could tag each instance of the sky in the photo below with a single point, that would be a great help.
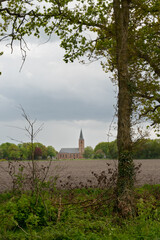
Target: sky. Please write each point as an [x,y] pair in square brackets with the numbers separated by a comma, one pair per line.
[65,97]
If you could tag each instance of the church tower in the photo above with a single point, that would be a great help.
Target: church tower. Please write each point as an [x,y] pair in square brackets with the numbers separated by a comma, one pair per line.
[81,144]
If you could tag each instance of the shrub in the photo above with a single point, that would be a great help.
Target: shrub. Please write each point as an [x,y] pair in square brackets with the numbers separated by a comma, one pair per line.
[29,211]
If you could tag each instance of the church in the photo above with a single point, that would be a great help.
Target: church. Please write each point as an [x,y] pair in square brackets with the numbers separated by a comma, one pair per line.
[73,153]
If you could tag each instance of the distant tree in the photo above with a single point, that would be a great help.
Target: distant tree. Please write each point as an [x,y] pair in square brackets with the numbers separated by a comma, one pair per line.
[88,152]
[51,152]
[103,146]
[1,153]
[4,149]
[147,149]
[113,150]
[13,152]
[43,149]
[107,149]
[9,151]
[25,151]
[37,153]
[99,154]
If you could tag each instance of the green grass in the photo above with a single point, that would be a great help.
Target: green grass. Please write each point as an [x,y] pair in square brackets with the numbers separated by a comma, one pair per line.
[2,160]
[80,214]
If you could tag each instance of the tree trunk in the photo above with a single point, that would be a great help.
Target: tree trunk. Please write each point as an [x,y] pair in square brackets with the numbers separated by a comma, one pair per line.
[125,161]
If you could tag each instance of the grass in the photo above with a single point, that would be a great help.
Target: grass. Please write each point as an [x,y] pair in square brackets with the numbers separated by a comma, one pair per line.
[79,214]
[2,160]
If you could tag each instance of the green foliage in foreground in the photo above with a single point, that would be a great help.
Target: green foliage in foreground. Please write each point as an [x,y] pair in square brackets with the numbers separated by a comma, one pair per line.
[78,215]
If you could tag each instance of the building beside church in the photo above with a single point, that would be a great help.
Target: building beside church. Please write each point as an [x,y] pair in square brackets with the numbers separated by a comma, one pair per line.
[73,153]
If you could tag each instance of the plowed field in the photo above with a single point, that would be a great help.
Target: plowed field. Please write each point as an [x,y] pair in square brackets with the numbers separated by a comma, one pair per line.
[79,172]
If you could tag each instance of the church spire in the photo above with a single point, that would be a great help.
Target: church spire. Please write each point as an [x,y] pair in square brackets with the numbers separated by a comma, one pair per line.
[81,144]
[81,135]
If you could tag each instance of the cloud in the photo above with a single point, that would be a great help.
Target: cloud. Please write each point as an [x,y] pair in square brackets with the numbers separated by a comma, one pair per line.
[53,90]
[49,107]
[58,133]
[66,97]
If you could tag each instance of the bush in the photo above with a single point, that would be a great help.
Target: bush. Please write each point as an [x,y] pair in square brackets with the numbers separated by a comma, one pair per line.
[80,214]
[29,211]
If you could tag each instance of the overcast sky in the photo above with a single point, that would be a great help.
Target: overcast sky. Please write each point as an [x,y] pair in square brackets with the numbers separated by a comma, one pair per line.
[65,97]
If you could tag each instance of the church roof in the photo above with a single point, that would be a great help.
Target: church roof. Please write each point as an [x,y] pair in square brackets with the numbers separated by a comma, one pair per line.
[69,150]
[81,135]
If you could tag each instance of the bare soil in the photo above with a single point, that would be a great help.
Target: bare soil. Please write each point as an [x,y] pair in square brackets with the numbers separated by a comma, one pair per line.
[76,171]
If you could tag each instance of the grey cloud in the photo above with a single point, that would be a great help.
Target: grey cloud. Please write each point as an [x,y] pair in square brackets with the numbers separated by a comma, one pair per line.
[48,89]
[44,106]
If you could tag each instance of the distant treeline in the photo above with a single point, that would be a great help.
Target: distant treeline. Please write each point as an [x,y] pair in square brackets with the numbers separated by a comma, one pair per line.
[145,149]
[11,151]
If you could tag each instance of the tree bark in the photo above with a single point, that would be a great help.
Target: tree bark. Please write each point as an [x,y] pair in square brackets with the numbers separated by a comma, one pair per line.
[125,162]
